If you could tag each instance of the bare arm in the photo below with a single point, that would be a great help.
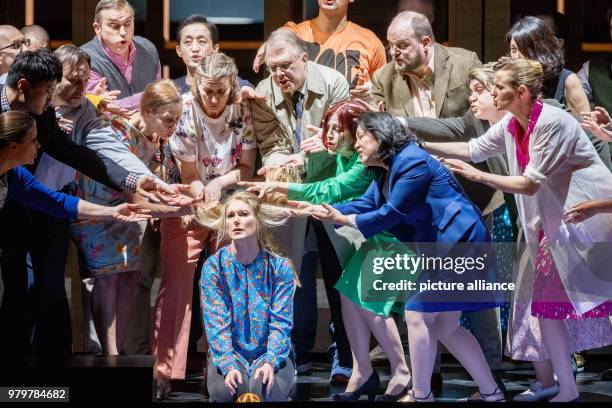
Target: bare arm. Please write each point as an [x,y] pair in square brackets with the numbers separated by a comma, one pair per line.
[454,150]
[575,96]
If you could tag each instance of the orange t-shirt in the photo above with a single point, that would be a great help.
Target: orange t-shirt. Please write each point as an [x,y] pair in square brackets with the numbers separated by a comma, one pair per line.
[351,51]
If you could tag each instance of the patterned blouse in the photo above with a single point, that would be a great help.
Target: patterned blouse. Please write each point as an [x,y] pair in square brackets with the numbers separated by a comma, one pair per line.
[248,309]
[158,159]
[214,145]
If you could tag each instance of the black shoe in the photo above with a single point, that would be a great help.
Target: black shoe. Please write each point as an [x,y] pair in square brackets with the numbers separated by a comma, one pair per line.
[437,383]
[395,397]
[606,375]
[370,387]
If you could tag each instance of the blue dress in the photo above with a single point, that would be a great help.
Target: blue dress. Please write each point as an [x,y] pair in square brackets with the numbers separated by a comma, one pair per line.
[425,206]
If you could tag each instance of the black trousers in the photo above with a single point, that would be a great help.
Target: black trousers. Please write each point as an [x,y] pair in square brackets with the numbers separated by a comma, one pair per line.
[331,268]
[38,317]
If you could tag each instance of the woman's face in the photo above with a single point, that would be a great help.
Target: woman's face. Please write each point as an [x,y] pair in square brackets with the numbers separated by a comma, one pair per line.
[163,120]
[367,146]
[26,151]
[514,50]
[214,94]
[481,101]
[333,136]
[504,94]
[240,222]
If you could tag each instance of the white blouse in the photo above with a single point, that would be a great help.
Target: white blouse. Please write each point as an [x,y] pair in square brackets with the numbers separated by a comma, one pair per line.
[566,166]
[214,145]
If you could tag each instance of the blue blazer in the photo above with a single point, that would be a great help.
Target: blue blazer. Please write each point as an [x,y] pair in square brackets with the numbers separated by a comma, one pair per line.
[426,203]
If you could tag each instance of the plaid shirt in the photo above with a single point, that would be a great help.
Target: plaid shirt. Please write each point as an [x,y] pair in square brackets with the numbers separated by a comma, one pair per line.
[4,100]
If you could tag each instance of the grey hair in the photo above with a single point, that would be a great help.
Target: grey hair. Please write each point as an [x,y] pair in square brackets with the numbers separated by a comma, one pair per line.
[284,37]
[71,55]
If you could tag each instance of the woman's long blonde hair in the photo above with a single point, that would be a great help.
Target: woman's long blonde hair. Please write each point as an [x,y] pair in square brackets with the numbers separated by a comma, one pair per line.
[267,216]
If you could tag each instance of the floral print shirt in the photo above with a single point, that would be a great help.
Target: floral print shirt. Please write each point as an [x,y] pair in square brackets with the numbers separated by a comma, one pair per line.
[214,145]
[248,309]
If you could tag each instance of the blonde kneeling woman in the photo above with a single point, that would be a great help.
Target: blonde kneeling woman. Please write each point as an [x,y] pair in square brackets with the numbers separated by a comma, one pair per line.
[214,148]
[247,293]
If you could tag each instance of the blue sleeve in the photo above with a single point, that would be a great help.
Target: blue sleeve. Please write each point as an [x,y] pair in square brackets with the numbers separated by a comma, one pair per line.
[244,82]
[281,314]
[217,317]
[27,190]
[363,204]
[411,187]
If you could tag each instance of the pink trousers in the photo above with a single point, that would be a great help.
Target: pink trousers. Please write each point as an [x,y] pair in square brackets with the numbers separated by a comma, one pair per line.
[180,251]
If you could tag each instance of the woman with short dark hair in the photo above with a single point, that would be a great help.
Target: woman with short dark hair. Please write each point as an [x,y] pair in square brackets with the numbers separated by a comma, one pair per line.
[417,200]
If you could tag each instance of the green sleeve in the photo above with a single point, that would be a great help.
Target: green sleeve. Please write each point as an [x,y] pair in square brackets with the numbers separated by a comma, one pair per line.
[351,183]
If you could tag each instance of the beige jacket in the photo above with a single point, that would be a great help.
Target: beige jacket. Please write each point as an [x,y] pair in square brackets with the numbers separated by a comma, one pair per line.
[450,93]
[274,120]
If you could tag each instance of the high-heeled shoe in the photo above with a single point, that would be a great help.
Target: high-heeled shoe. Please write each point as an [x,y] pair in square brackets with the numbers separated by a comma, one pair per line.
[370,387]
[395,397]
[495,396]
[410,397]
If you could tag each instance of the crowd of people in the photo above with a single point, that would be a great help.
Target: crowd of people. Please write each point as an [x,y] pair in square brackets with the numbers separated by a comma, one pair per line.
[242,192]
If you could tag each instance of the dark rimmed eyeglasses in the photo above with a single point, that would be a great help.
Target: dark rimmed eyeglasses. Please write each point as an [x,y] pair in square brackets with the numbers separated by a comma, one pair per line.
[16,45]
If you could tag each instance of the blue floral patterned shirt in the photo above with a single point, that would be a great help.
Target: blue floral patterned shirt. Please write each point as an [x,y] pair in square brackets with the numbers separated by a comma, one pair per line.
[248,309]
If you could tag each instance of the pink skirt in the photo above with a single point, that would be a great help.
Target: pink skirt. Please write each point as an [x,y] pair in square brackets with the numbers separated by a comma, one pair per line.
[550,300]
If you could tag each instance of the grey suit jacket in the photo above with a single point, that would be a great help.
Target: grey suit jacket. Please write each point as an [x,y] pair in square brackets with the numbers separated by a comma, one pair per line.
[451,93]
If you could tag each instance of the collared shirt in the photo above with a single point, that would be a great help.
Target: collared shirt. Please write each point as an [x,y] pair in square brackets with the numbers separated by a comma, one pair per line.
[422,90]
[125,68]
[4,101]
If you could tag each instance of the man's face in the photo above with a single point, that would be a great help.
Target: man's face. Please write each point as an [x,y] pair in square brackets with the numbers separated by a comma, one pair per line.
[409,53]
[11,43]
[333,5]
[71,89]
[287,67]
[37,98]
[196,43]
[116,29]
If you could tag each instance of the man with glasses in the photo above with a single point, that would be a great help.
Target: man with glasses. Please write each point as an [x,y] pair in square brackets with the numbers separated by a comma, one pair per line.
[298,93]
[12,42]
[120,61]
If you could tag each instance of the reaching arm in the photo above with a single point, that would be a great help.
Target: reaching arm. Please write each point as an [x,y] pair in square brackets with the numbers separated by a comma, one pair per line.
[456,150]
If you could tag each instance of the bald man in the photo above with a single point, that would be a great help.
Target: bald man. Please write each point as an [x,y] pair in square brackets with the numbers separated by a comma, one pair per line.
[11,44]
[38,36]
[424,7]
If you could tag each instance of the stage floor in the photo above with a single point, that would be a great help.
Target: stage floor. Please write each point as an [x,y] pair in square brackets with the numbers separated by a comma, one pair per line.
[457,384]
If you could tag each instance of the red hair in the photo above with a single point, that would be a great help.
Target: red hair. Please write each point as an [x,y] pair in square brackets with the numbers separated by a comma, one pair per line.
[346,122]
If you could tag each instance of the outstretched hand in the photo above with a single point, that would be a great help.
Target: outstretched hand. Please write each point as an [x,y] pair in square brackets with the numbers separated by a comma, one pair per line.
[130,213]
[326,212]
[466,170]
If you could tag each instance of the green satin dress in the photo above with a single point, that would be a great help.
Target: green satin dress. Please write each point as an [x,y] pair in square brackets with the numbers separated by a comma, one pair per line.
[350,182]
